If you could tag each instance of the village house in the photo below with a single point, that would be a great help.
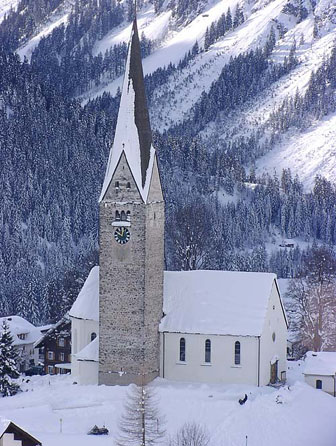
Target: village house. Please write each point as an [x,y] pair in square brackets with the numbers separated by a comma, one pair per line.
[55,347]
[13,435]
[320,371]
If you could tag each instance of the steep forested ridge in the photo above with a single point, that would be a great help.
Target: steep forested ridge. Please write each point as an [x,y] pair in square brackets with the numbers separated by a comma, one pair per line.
[221,214]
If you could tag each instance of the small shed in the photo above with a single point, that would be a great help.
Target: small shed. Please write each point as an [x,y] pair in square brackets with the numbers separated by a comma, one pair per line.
[320,371]
[13,435]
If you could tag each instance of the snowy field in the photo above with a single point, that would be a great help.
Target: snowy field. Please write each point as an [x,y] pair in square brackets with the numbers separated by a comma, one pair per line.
[294,416]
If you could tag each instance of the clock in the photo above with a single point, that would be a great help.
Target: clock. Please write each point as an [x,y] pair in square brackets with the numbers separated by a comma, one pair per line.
[122,235]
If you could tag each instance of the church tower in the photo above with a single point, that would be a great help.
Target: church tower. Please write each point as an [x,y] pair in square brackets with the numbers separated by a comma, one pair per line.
[131,241]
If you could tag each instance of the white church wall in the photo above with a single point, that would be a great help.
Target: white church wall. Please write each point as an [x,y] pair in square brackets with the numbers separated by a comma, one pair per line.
[328,383]
[81,330]
[221,369]
[273,342]
[87,372]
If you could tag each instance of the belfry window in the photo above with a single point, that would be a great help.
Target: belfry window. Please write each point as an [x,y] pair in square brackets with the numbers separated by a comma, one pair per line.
[116,184]
[207,357]
[128,215]
[128,185]
[123,216]
[237,353]
[117,216]
[182,350]
[93,336]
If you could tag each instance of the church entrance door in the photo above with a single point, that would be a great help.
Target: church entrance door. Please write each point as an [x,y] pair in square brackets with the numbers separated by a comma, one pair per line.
[274,372]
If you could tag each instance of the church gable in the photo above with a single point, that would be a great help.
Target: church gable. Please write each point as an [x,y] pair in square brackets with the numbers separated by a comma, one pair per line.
[122,187]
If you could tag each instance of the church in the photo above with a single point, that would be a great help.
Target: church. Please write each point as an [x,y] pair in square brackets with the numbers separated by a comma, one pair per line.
[133,321]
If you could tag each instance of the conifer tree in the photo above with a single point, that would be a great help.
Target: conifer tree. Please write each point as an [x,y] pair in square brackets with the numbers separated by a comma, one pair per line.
[8,367]
[140,424]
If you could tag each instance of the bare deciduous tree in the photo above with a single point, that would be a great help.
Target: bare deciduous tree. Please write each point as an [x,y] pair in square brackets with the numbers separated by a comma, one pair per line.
[141,423]
[312,296]
[190,434]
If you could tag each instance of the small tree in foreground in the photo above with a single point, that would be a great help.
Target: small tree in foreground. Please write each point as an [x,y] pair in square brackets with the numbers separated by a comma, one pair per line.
[141,424]
[190,434]
[8,359]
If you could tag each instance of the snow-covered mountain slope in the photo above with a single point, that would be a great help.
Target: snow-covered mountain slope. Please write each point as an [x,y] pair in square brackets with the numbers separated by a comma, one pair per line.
[6,6]
[172,102]
[307,154]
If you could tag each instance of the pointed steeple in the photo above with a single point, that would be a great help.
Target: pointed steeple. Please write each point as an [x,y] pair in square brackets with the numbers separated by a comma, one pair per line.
[133,134]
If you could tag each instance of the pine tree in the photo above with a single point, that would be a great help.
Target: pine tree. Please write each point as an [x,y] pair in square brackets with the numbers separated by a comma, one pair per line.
[8,368]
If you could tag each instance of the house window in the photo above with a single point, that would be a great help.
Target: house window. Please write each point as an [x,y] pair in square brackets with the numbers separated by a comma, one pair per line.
[319,384]
[50,370]
[128,185]
[93,336]
[51,355]
[237,353]
[207,351]
[116,184]
[61,356]
[61,342]
[182,350]
[22,336]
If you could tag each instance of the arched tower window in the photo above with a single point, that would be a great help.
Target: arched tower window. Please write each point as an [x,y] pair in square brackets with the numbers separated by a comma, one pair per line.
[128,215]
[117,215]
[319,384]
[237,353]
[93,336]
[182,350]
[207,357]
[116,184]
[128,185]
[123,216]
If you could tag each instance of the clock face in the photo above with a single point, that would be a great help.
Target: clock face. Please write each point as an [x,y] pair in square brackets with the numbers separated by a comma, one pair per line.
[122,235]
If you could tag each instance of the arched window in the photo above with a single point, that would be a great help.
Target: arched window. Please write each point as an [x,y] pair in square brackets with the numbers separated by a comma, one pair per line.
[182,350]
[128,185]
[319,384]
[207,351]
[93,336]
[116,184]
[117,215]
[128,215]
[123,216]
[237,353]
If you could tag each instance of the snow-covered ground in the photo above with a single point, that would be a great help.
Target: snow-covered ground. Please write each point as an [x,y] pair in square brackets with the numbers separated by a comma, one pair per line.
[294,416]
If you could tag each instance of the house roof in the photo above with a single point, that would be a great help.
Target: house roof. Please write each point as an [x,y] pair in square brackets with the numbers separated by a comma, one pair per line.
[86,306]
[90,352]
[216,302]
[7,426]
[17,326]
[320,363]
[133,135]
[60,326]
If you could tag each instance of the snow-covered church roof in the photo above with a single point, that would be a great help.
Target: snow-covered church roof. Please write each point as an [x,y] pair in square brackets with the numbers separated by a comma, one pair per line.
[90,352]
[208,302]
[86,306]
[216,302]
[133,134]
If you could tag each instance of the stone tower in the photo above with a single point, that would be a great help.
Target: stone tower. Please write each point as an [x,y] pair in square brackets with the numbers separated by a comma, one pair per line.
[131,241]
